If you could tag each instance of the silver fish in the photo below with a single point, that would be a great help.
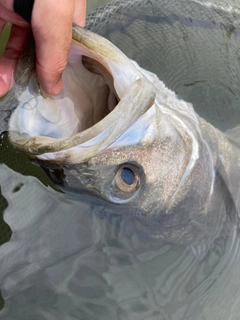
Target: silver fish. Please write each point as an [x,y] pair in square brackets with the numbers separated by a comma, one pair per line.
[119,132]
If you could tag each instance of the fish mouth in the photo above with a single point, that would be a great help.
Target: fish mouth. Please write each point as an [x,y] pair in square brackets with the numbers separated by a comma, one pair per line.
[103,95]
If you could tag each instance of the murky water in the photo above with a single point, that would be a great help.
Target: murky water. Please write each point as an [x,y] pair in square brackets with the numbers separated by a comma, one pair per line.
[67,256]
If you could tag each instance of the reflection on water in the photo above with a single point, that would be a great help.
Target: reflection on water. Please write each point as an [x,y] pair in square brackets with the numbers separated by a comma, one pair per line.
[5,231]
[19,162]
[1,302]
[4,37]
[64,256]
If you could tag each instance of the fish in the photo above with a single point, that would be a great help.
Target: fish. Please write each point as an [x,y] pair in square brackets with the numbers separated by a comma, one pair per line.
[117,132]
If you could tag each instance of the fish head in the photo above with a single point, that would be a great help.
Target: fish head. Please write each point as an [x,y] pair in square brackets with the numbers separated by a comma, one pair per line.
[161,171]
[119,133]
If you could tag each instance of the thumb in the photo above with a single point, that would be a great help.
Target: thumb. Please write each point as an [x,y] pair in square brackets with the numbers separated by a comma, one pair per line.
[52,30]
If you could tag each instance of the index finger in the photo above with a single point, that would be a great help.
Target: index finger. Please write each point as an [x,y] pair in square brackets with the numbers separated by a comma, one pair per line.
[8,15]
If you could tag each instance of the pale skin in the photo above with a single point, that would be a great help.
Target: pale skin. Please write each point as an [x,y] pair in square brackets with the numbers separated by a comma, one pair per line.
[51,24]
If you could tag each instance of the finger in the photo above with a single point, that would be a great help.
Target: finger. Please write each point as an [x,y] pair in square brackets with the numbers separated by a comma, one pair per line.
[10,57]
[79,16]
[52,29]
[8,4]
[11,16]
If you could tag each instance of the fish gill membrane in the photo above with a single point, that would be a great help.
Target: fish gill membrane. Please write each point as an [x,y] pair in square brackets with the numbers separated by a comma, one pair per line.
[118,132]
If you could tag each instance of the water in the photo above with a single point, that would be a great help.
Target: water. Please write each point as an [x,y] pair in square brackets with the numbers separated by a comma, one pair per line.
[69,256]
[65,261]
[4,37]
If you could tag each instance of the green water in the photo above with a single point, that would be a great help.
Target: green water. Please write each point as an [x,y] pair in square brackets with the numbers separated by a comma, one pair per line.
[4,37]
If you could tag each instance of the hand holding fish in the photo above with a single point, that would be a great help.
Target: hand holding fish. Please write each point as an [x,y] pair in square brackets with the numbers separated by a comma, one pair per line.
[48,21]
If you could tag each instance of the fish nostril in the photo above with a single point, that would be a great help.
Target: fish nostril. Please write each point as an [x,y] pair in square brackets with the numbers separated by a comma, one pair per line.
[89,181]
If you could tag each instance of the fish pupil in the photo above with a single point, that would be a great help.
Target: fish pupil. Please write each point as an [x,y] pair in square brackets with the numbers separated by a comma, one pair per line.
[127,176]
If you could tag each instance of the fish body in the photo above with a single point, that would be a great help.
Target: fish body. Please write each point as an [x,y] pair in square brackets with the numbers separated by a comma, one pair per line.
[117,131]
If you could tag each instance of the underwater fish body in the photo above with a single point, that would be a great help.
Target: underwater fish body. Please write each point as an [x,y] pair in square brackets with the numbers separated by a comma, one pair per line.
[118,132]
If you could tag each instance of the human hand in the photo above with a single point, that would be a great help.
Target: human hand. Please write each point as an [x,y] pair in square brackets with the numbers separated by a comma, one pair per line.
[52,29]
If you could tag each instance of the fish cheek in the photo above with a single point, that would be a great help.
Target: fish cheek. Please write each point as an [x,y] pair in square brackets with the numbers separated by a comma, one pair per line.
[147,176]
[164,164]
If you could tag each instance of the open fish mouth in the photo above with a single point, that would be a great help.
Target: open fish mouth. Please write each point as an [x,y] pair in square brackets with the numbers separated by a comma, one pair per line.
[99,102]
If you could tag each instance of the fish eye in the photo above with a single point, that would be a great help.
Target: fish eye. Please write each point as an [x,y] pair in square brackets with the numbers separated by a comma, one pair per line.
[127,176]
[126,179]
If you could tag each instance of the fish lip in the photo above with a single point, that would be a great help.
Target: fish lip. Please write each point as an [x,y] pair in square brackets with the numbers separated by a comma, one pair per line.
[43,145]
